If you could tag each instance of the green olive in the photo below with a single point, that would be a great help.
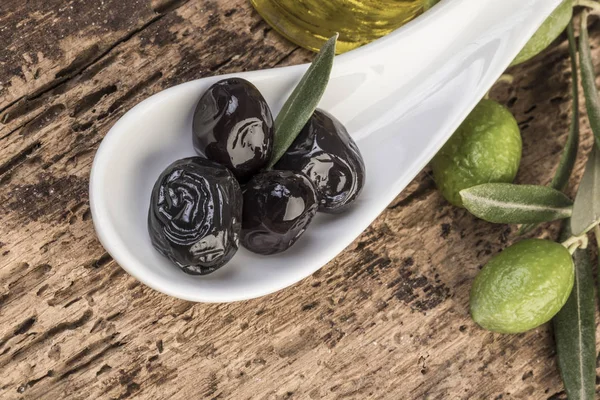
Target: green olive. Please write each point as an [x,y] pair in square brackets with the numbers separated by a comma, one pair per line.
[486,148]
[522,287]
[550,29]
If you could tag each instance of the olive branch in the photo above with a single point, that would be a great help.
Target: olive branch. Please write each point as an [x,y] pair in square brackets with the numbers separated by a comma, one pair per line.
[530,205]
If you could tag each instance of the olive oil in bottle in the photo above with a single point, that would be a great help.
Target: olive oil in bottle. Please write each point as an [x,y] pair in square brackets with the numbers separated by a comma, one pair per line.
[309,23]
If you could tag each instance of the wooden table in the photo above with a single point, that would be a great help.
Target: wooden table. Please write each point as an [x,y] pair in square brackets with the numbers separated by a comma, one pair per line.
[388,319]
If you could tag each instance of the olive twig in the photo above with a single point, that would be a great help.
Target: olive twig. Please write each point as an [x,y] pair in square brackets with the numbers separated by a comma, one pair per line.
[506,78]
[593,4]
[597,234]
[576,242]
[573,248]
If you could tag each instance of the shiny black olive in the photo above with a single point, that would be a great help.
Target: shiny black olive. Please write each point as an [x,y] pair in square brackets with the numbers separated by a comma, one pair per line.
[278,206]
[195,215]
[233,126]
[326,153]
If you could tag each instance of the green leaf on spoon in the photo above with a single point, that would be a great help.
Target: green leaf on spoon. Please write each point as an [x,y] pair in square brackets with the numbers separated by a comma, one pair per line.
[507,203]
[303,101]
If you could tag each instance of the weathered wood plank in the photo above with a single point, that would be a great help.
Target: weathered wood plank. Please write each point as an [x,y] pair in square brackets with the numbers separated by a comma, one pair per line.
[51,41]
[387,319]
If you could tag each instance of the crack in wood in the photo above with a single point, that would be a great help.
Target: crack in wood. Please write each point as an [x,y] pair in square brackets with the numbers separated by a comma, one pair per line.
[90,100]
[43,119]
[46,198]
[41,290]
[70,303]
[103,369]
[80,62]
[114,316]
[21,352]
[134,91]
[20,108]
[102,260]
[24,283]
[220,65]
[91,348]
[94,359]
[165,6]
[285,57]
[55,238]
[69,75]
[19,158]
[24,326]
[32,382]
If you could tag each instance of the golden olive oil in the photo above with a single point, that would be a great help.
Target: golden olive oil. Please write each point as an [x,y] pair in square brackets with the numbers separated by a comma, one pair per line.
[310,23]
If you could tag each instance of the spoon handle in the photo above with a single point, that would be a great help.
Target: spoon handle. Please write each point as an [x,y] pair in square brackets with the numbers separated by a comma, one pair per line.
[376,84]
[467,22]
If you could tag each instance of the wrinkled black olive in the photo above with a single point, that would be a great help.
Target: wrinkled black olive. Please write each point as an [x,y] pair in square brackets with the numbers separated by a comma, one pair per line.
[326,153]
[195,215]
[278,206]
[233,126]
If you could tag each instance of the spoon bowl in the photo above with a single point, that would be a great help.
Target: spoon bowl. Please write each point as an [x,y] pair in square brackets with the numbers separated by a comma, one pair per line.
[400,97]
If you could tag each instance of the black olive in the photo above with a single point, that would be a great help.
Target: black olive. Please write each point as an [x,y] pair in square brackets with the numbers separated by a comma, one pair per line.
[278,206]
[326,153]
[233,126]
[195,215]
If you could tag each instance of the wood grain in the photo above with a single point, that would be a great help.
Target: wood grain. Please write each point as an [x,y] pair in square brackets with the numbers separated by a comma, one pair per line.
[387,319]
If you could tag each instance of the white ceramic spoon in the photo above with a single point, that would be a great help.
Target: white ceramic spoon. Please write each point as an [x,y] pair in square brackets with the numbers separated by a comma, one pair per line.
[400,97]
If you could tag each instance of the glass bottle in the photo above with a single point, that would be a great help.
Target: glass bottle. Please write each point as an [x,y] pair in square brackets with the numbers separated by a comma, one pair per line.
[309,23]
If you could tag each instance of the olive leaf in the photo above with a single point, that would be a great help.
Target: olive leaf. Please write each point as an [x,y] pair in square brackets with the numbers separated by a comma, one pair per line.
[588,78]
[575,331]
[303,101]
[586,209]
[552,27]
[507,203]
[569,154]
